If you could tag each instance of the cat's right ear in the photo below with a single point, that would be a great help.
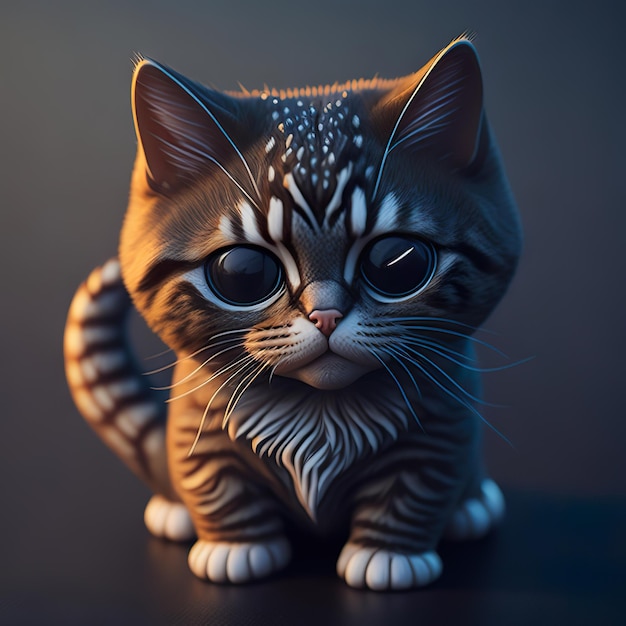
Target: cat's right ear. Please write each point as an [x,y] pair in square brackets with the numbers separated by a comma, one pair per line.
[436,113]
[180,127]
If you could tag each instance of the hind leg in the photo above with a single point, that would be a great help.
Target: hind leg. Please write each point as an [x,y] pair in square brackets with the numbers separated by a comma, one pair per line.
[168,520]
[478,513]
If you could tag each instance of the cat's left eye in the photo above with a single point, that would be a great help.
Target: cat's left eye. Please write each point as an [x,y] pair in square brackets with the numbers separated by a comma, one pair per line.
[243,275]
[397,266]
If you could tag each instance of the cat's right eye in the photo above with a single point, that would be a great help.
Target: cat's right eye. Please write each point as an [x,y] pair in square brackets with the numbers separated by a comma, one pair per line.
[243,275]
[396,266]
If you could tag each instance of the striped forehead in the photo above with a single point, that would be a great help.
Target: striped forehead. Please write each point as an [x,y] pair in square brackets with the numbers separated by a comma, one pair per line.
[268,230]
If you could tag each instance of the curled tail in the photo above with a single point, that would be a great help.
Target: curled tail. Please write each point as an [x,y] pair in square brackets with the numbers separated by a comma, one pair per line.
[105,383]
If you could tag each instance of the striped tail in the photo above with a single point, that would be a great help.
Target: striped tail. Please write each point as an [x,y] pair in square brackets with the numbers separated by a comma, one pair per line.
[105,383]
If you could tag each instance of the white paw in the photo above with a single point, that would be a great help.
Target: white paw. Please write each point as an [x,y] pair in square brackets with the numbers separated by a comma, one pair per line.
[222,562]
[477,516]
[381,570]
[168,520]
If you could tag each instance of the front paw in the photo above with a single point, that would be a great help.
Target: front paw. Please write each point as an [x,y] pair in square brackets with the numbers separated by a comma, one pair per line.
[381,570]
[223,562]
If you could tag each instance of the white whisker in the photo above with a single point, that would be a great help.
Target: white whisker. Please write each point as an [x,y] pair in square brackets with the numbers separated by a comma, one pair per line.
[235,397]
[213,376]
[158,354]
[398,384]
[208,406]
[193,354]
[203,364]
[395,353]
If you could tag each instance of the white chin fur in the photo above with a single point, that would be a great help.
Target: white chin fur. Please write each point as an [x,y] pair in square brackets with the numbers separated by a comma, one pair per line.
[329,371]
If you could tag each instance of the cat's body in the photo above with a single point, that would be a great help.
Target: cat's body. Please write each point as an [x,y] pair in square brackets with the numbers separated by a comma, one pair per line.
[318,260]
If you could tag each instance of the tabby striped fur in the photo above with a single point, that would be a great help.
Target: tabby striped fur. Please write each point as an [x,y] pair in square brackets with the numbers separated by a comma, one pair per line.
[116,402]
[327,401]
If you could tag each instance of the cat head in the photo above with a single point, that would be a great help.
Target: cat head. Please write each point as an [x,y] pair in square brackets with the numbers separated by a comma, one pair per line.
[312,224]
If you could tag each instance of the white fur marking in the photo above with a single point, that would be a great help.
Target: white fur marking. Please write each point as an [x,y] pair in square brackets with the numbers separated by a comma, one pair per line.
[153,444]
[226,228]
[87,405]
[93,334]
[109,361]
[290,184]
[358,213]
[116,441]
[105,303]
[387,218]
[89,370]
[275,219]
[111,272]
[249,223]
[125,388]
[342,180]
[132,419]
[293,275]
[102,396]
[304,437]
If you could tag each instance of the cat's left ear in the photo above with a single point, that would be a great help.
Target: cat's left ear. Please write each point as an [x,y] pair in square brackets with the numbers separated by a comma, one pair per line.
[437,112]
[182,129]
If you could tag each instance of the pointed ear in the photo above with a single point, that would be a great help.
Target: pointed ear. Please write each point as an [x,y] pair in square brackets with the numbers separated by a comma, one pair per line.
[176,125]
[437,111]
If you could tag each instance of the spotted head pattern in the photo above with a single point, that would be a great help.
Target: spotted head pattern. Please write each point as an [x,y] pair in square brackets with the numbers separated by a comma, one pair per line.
[317,149]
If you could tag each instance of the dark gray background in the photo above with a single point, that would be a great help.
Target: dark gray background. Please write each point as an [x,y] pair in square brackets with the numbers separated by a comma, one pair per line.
[72,546]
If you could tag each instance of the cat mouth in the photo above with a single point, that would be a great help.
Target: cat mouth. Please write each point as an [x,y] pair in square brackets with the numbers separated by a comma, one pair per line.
[329,371]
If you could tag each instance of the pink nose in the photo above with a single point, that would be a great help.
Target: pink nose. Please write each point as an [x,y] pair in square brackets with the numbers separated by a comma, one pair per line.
[326,320]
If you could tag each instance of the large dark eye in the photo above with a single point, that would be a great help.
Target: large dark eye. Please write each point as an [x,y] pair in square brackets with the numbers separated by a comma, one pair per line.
[397,266]
[243,275]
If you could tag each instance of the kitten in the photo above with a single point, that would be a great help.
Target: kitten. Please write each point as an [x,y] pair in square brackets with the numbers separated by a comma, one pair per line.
[318,259]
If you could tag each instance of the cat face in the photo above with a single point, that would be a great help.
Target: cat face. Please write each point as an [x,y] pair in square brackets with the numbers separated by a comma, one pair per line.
[306,234]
